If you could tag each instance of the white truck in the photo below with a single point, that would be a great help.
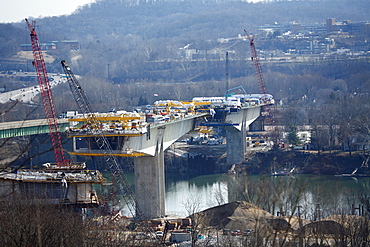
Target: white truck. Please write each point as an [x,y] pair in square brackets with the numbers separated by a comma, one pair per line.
[68,114]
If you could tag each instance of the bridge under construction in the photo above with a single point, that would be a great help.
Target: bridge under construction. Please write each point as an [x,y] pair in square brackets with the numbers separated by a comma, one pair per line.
[143,135]
[146,135]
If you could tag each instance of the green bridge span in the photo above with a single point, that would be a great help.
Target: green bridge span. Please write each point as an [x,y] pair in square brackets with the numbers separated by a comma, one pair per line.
[28,127]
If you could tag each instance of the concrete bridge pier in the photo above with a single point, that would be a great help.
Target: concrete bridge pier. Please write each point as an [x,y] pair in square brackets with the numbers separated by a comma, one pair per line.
[235,146]
[236,141]
[149,169]
[150,183]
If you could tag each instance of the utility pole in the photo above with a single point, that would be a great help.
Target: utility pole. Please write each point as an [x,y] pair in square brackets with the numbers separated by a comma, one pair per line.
[108,72]
[227,73]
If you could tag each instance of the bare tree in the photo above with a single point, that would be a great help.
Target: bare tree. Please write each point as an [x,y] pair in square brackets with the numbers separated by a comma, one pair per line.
[193,206]
[25,221]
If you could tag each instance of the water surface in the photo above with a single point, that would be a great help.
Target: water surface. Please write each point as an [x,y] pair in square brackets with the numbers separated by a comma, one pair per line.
[316,196]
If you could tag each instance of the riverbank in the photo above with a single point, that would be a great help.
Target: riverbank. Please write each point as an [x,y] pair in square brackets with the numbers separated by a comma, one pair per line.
[307,162]
[203,160]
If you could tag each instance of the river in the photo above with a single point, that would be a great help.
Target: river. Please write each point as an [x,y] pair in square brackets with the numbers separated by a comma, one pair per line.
[196,194]
[316,196]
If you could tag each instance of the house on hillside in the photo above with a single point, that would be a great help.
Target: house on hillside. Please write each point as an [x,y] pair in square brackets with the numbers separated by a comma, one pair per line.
[54,45]
[44,46]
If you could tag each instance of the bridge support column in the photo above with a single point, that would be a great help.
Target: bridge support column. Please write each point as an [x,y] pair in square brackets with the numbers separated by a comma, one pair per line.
[235,146]
[149,185]
[236,141]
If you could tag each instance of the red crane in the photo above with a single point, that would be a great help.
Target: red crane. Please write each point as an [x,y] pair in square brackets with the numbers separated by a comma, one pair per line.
[47,98]
[261,81]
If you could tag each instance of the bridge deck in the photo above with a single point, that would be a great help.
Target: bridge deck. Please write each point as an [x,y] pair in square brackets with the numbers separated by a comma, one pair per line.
[40,126]
[28,127]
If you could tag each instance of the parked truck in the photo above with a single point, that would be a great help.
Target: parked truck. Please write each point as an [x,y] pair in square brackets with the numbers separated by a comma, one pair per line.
[68,114]
[178,237]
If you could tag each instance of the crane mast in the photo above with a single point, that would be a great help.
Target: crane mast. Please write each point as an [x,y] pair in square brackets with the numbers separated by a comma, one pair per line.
[104,145]
[102,141]
[47,99]
[260,79]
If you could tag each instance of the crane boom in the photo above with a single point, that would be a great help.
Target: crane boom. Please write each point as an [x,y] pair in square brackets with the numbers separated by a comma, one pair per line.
[47,98]
[103,143]
[260,79]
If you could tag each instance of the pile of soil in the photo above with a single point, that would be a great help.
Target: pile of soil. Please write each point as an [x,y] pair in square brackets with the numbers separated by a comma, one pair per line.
[240,215]
[237,215]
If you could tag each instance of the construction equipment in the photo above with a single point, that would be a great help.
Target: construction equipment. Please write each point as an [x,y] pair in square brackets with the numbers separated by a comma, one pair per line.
[45,90]
[260,79]
[113,124]
[104,145]
[102,141]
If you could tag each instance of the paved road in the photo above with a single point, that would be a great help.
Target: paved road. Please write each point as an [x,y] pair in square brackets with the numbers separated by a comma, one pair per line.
[28,93]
